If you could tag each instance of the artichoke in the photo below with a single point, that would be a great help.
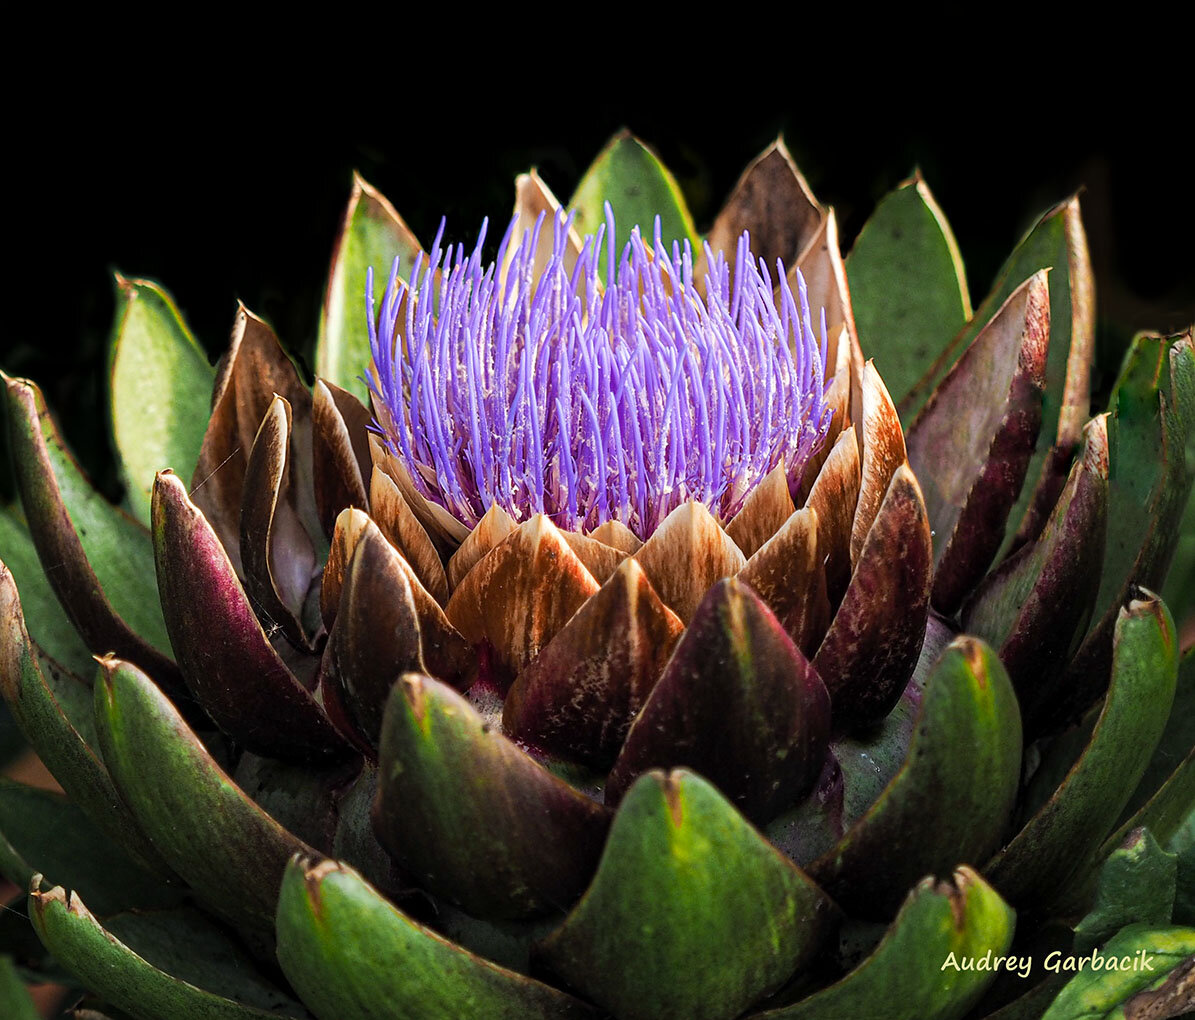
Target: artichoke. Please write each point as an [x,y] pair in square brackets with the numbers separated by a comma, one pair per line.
[635,626]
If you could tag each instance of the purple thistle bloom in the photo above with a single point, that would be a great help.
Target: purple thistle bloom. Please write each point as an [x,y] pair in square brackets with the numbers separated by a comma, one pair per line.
[555,392]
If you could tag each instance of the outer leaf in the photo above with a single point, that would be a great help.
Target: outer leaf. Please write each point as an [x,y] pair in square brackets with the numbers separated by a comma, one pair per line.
[1182,843]
[738,703]
[15,1003]
[629,176]
[472,816]
[54,712]
[1058,242]
[52,629]
[1147,439]
[871,648]
[41,831]
[240,679]
[910,974]
[353,956]
[175,789]
[908,287]
[771,201]
[107,965]
[1105,994]
[253,370]
[951,799]
[1151,442]
[971,444]
[1035,866]
[579,696]
[1164,801]
[1032,605]
[1136,885]
[98,559]
[691,912]
[1179,590]
[372,234]
[160,385]
[1175,754]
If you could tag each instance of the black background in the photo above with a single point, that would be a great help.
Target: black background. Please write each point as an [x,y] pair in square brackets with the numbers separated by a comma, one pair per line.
[225,179]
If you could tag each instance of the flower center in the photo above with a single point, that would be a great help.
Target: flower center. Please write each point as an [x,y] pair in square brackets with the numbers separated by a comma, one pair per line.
[547,390]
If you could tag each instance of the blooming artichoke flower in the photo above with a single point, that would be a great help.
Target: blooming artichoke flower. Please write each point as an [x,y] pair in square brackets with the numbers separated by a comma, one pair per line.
[598,636]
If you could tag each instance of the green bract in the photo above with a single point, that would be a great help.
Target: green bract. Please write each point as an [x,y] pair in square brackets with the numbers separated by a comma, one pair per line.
[907,720]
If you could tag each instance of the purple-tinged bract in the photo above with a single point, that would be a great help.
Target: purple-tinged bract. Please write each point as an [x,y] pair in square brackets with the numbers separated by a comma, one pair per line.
[550,390]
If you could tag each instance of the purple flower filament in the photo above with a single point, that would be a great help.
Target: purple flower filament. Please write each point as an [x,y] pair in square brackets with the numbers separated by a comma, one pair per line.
[551,391]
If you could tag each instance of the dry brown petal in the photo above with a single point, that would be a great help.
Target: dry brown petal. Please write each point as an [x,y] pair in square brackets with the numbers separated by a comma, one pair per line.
[520,594]
[616,534]
[533,198]
[763,514]
[883,444]
[834,496]
[686,555]
[252,370]
[442,528]
[402,529]
[788,574]
[340,452]
[580,694]
[490,531]
[600,559]
[772,201]
[277,553]
[346,533]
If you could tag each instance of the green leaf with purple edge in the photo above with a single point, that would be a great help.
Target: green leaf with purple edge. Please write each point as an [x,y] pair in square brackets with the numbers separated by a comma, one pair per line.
[737,703]
[1032,606]
[174,788]
[1151,444]
[1056,242]
[371,235]
[471,816]
[54,711]
[122,958]
[352,955]
[98,559]
[160,387]
[951,799]
[910,973]
[1042,859]
[971,444]
[908,287]
[691,913]
[240,680]
[629,176]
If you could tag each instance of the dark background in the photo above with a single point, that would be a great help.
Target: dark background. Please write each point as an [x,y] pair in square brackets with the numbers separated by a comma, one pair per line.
[229,190]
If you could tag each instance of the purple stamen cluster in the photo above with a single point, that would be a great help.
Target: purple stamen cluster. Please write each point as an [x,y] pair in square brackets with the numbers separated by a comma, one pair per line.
[556,392]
